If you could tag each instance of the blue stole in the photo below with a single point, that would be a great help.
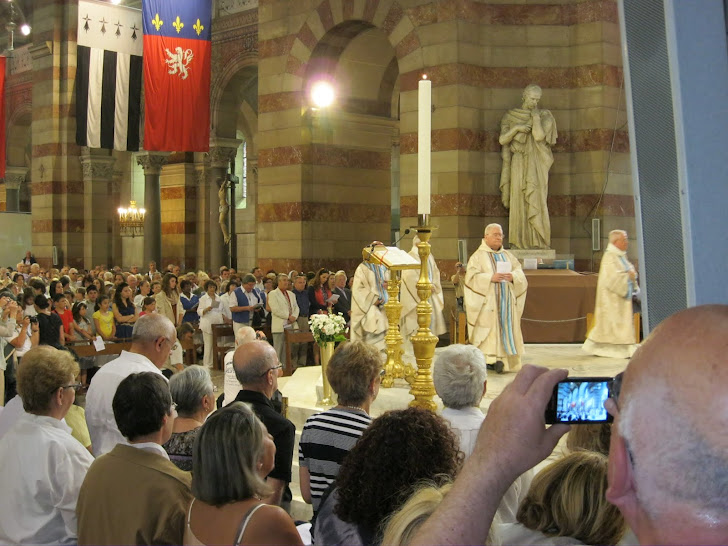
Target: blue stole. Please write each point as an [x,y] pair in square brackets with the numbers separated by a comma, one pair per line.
[380,278]
[505,310]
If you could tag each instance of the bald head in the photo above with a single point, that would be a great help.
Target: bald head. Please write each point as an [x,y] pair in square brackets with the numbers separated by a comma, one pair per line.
[673,424]
[251,362]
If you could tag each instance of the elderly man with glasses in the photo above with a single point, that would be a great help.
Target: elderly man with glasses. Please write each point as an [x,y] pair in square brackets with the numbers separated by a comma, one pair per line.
[257,369]
[152,340]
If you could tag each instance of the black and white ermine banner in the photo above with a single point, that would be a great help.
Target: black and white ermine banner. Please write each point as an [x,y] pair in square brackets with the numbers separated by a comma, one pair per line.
[108,76]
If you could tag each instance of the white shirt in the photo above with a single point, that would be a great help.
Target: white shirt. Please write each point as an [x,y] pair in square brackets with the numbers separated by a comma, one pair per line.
[99,413]
[466,424]
[42,470]
[214,315]
[152,447]
[12,412]
[231,385]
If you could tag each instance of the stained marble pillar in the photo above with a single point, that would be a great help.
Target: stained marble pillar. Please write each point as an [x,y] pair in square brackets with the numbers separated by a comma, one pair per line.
[222,151]
[98,174]
[152,163]
[14,178]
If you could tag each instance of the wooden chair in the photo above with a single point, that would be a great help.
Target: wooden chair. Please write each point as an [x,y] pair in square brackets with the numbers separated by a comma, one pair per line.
[218,347]
[294,336]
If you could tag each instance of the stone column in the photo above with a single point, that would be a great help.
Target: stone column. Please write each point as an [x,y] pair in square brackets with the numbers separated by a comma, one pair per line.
[14,177]
[152,163]
[222,151]
[98,174]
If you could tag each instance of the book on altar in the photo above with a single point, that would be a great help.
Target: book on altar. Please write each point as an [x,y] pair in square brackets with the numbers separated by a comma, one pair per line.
[503,267]
[392,256]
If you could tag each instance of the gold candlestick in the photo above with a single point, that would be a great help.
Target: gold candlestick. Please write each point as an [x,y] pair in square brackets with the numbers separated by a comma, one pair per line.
[424,341]
[394,367]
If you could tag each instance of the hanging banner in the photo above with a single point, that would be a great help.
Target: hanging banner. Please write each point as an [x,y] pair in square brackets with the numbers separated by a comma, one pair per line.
[177,50]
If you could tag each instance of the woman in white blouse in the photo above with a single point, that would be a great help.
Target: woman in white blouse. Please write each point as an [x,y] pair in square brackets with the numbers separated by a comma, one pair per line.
[210,310]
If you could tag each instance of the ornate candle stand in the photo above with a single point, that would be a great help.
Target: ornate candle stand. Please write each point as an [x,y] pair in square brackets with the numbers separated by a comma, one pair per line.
[424,341]
[394,367]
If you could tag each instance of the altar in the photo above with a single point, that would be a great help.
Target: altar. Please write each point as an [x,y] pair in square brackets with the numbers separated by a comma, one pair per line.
[561,299]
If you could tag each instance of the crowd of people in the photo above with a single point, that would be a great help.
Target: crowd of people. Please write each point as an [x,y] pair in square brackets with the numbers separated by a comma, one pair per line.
[156,459]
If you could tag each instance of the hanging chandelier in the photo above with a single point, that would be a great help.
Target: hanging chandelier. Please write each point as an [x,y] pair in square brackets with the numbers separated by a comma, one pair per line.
[131,220]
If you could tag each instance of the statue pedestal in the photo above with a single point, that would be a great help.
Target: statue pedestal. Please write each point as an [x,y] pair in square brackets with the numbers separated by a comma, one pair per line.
[538,253]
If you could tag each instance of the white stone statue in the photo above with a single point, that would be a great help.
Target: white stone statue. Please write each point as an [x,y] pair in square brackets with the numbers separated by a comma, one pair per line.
[224,209]
[526,136]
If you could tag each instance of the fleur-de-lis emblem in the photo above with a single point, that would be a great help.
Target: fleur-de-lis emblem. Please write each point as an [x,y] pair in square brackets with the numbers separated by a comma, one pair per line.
[157,22]
[178,25]
[198,27]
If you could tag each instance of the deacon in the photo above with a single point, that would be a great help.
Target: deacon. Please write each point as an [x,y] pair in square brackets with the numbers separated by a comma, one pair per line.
[409,298]
[494,302]
[613,332]
[368,296]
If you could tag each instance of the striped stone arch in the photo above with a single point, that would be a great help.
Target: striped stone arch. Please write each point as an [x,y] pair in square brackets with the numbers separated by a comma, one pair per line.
[387,15]
[220,82]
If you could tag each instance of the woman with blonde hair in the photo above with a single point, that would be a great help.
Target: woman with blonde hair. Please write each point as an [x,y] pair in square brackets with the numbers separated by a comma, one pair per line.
[232,456]
[405,522]
[566,504]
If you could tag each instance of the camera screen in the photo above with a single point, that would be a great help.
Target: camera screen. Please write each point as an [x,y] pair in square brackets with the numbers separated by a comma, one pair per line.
[582,401]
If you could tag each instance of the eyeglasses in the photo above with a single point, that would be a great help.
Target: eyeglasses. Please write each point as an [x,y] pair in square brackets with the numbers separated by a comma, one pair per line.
[382,373]
[616,388]
[75,386]
[273,368]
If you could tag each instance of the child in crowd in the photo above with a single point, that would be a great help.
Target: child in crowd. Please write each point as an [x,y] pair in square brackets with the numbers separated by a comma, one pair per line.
[82,331]
[156,287]
[80,295]
[104,319]
[149,305]
[60,307]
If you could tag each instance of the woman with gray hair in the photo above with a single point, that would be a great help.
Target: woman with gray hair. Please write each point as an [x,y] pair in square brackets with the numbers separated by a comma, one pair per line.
[460,378]
[192,392]
[233,455]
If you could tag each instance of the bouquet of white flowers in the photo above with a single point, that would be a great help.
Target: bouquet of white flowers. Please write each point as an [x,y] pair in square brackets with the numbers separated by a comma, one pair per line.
[328,327]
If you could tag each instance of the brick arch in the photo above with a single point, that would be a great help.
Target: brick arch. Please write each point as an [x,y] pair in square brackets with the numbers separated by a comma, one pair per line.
[387,15]
[18,110]
[221,81]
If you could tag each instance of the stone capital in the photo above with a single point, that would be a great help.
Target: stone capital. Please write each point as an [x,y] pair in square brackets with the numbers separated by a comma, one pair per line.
[222,151]
[152,162]
[14,177]
[96,167]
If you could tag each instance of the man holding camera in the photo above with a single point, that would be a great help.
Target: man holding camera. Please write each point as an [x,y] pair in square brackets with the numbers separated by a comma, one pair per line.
[668,456]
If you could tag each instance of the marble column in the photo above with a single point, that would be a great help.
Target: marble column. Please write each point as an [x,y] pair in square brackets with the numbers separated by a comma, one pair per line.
[98,174]
[14,177]
[222,151]
[152,163]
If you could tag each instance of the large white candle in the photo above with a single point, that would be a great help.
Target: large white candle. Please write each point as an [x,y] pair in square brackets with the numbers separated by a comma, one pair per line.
[424,127]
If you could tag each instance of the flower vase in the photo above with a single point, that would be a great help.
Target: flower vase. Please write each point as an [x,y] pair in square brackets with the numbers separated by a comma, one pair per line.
[327,350]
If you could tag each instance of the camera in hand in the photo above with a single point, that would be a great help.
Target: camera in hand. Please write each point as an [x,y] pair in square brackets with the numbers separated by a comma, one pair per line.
[580,400]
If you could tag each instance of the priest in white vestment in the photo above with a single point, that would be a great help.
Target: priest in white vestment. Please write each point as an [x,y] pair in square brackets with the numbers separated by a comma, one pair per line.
[494,302]
[409,298]
[368,296]
[613,334]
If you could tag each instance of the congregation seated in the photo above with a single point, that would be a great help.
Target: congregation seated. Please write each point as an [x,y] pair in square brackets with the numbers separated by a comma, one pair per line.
[134,494]
[460,378]
[42,466]
[192,392]
[233,454]
[566,504]
[327,437]
[397,451]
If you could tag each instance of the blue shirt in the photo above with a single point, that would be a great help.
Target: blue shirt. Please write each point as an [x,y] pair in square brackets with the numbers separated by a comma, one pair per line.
[303,302]
[189,303]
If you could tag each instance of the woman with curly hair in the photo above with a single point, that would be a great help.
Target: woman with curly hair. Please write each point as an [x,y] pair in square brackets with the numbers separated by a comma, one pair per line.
[397,451]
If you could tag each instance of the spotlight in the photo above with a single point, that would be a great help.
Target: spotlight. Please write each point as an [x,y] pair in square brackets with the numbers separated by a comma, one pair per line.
[25,29]
[322,94]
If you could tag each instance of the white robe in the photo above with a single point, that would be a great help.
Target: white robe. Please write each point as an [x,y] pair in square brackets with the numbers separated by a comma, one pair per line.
[368,322]
[613,331]
[494,309]
[409,298]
